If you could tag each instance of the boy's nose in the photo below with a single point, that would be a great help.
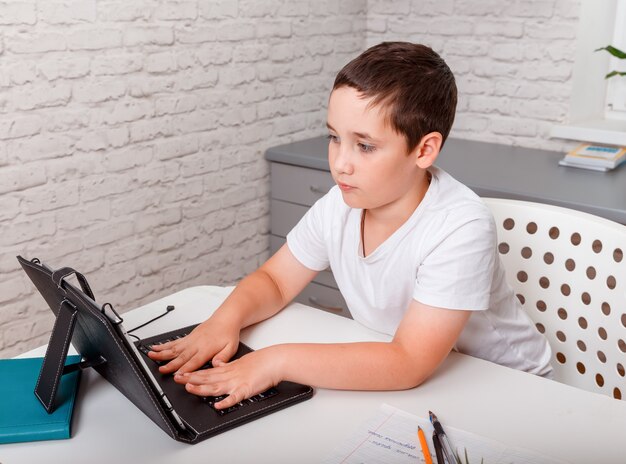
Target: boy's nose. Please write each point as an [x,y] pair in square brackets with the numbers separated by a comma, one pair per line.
[343,160]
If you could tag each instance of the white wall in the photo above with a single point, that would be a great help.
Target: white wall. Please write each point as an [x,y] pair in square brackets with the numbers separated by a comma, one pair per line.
[132,137]
[513,60]
[132,133]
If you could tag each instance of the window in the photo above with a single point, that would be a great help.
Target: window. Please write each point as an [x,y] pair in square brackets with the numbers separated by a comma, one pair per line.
[616,86]
[598,105]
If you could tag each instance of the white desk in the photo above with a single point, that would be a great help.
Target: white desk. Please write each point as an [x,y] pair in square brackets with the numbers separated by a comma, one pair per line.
[503,404]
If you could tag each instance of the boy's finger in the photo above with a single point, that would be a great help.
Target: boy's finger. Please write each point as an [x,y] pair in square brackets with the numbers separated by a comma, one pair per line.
[221,358]
[201,389]
[161,355]
[170,367]
[174,364]
[163,346]
[192,365]
[231,400]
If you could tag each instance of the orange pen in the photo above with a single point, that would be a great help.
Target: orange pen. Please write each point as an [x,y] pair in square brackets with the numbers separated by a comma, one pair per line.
[424,444]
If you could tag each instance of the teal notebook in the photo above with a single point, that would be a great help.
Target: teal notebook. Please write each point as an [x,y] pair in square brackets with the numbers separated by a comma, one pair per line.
[22,417]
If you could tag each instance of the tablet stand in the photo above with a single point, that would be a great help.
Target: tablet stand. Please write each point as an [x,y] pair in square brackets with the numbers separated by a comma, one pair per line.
[53,366]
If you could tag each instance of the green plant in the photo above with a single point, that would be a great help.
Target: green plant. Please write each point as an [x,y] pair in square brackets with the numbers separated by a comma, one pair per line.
[460,461]
[616,52]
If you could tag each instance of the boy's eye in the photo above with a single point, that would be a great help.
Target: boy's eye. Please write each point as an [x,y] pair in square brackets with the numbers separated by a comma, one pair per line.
[332,138]
[365,148]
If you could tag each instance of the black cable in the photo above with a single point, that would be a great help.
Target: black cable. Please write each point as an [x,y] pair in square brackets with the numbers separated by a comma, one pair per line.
[168,310]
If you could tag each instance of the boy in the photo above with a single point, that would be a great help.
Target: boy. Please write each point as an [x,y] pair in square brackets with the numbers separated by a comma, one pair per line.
[412,250]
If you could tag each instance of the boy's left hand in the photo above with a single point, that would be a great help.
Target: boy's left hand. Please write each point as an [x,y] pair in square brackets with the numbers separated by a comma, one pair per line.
[240,379]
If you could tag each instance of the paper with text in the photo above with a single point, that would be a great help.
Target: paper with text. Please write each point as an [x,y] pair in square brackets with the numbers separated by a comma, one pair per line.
[390,437]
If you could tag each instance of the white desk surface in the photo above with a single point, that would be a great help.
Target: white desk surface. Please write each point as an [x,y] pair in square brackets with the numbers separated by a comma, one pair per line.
[512,407]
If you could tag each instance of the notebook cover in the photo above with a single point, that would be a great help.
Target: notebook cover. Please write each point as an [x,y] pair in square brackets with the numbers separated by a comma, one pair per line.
[22,417]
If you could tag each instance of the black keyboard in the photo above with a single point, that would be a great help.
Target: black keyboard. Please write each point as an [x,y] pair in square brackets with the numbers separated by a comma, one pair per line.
[146,348]
[209,400]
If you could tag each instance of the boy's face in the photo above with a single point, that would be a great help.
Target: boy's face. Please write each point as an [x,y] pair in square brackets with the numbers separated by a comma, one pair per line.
[368,159]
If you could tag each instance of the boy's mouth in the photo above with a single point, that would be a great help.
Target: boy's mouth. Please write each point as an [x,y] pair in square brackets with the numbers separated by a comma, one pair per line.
[345,187]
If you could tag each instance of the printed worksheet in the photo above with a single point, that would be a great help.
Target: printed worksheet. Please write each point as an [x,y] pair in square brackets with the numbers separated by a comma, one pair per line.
[390,437]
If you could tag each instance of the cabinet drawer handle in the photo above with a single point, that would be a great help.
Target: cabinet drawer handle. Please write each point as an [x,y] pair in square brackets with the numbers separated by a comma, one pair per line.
[316,302]
[316,189]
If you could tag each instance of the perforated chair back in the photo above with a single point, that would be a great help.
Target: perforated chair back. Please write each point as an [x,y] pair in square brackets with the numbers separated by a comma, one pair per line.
[569,271]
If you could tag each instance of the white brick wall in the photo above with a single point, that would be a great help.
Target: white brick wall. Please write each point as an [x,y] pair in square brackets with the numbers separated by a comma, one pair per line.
[132,134]
[512,60]
[132,137]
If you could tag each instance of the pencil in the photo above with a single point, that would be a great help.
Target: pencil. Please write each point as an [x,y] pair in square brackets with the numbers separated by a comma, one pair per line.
[420,434]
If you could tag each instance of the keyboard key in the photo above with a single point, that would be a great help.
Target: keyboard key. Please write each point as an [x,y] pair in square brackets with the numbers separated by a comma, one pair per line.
[265,395]
[211,400]
[222,412]
[145,349]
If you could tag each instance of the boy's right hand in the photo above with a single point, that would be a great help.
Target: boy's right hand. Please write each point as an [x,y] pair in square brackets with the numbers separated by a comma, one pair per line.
[211,340]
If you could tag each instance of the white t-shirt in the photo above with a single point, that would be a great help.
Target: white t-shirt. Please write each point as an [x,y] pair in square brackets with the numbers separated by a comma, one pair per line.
[444,255]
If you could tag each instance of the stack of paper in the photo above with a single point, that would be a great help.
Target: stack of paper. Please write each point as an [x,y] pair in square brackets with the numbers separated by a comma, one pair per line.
[390,437]
[595,157]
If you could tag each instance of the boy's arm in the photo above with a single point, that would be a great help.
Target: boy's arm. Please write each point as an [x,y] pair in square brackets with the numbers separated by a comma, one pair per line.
[423,340]
[257,297]
[266,291]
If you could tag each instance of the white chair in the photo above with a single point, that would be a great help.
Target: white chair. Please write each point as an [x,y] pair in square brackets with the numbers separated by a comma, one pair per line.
[569,271]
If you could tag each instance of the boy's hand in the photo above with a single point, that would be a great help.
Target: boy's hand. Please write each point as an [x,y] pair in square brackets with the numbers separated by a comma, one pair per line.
[212,340]
[240,379]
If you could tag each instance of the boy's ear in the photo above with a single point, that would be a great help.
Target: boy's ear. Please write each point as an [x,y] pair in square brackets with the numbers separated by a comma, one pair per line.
[428,149]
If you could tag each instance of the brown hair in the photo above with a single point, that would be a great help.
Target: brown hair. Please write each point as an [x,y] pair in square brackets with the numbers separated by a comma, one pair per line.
[412,82]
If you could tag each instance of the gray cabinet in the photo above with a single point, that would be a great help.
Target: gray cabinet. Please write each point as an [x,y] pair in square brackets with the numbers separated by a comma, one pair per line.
[300,175]
[501,171]
[293,190]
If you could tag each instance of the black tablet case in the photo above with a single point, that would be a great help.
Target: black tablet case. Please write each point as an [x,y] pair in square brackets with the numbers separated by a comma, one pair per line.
[81,321]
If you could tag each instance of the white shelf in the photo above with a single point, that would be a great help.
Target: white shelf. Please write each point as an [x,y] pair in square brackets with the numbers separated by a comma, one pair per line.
[603,131]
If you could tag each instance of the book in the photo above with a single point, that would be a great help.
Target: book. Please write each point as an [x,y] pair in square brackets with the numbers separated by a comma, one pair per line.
[595,157]
[570,164]
[22,417]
